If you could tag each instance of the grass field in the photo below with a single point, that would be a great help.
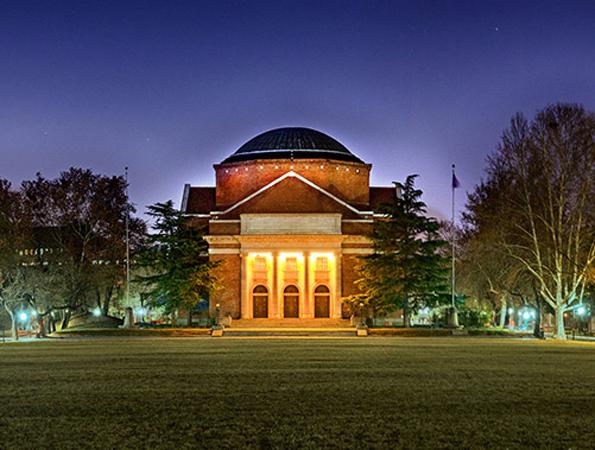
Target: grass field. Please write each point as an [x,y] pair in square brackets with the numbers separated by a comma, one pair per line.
[297,393]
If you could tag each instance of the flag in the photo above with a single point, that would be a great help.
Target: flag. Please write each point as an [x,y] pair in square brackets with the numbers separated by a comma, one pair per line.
[455,181]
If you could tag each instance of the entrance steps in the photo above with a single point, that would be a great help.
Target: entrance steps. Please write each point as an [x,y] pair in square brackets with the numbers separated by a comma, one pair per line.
[290,323]
[290,327]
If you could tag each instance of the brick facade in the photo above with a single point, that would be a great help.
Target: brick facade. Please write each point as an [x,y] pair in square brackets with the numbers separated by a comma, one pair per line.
[228,294]
[347,180]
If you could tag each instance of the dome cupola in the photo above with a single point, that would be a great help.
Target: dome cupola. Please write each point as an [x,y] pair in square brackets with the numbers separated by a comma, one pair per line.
[292,143]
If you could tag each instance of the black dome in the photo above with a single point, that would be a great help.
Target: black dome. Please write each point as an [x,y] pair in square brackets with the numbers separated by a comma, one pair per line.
[292,143]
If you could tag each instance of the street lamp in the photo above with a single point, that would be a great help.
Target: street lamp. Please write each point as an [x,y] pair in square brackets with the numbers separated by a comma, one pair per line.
[141,314]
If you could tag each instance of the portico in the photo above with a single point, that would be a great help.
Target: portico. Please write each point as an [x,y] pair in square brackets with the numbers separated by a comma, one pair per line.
[294,283]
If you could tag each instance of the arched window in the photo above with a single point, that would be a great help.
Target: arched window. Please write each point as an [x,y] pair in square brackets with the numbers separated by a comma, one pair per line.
[291,302]
[260,302]
[322,302]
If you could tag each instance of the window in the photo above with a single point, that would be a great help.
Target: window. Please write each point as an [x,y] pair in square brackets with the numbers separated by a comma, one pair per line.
[322,264]
[260,264]
[291,265]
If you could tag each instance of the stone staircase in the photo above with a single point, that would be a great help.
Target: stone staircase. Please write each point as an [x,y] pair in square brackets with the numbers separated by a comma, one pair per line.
[290,323]
[290,327]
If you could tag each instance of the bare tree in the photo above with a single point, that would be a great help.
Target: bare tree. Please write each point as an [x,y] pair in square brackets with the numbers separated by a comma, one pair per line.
[82,216]
[538,202]
[14,235]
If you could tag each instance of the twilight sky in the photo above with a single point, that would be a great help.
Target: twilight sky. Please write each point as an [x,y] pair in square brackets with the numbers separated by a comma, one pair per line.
[169,88]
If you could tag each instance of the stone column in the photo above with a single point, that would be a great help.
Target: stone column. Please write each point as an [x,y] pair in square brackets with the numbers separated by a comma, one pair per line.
[306,312]
[338,285]
[274,300]
[245,303]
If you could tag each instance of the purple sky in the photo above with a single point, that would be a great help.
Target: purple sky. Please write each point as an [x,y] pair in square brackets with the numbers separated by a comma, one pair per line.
[169,88]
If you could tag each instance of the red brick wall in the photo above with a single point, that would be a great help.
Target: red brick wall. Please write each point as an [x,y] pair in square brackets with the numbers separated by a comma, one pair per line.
[360,228]
[291,196]
[224,228]
[347,180]
[228,296]
[349,275]
[198,222]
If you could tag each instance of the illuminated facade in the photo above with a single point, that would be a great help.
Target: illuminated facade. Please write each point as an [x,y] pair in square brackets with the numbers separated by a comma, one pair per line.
[287,218]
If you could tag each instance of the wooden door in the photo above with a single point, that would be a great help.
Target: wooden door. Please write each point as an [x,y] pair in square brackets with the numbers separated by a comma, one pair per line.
[260,302]
[291,302]
[322,302]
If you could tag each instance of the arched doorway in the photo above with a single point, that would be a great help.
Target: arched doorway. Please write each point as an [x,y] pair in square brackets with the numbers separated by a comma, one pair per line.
[291,302]
[260,302]
[322,302]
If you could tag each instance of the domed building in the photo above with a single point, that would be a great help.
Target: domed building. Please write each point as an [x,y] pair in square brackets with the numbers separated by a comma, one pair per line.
[287,218]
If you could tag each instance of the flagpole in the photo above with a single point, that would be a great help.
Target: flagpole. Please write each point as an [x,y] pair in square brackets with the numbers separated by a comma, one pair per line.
[127,243]
[454,322]
[452,240]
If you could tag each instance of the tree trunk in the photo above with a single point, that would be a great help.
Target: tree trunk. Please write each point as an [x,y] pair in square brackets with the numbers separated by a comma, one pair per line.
[174,319]
[65,319]
[107,300]
[503,312]
[537,326]
[406,315]
[560,331]
[49,324]
[189,323]
[14,327]
[98,297]
[13,323]
[41,327]
[538,308]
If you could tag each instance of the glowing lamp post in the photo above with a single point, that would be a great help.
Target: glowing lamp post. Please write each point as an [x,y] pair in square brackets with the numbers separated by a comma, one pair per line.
[141,314]
[361,329]
[580,312]
[361,314]
[217,329]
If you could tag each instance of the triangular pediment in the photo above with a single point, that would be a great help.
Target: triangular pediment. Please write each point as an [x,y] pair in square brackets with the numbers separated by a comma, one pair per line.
[290,193]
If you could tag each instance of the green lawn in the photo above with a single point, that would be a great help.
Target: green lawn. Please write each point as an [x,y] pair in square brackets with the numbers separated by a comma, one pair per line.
[297,393]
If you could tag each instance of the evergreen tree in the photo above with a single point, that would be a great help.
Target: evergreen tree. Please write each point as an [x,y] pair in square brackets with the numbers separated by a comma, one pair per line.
[176,260]
[406,270]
